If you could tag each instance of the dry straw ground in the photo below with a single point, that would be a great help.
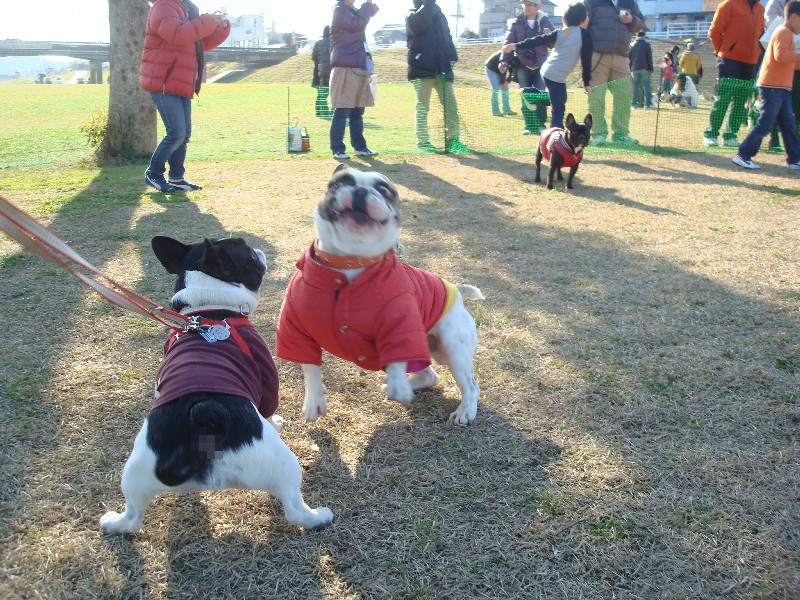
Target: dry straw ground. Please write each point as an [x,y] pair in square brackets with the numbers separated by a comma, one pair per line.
[637,435]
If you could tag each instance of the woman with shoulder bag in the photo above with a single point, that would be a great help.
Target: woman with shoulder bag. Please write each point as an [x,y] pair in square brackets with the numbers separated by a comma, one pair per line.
[351,73]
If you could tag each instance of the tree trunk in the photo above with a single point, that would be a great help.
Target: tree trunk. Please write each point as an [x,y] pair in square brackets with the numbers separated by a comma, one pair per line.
[131,129]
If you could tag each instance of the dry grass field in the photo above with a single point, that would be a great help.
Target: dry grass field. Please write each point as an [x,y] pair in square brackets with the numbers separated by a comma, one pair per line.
[638,433]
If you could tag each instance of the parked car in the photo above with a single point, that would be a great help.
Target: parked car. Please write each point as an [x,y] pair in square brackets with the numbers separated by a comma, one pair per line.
[48,80]
[59,80]
[80,80]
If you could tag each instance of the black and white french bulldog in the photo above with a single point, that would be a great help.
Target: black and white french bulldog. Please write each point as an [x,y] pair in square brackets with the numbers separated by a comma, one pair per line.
[563,148]
[213,423]
[353,297]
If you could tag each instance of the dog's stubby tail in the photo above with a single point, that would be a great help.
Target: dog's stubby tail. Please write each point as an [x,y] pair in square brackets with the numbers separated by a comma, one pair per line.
[470,292]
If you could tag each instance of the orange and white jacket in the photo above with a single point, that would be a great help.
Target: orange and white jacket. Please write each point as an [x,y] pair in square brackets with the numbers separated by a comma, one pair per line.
[780,60]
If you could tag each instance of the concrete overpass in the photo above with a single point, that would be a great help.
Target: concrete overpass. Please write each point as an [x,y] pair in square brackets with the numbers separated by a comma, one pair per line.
[99,52]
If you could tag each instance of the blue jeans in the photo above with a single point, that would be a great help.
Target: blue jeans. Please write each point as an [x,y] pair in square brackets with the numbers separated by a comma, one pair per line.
[642,92]
[527,78]
[558,101]
[176,114]
[776,106]
[338,125]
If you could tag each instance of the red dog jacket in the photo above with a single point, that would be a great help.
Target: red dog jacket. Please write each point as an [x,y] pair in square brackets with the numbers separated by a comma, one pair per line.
[382,317]
[553,140]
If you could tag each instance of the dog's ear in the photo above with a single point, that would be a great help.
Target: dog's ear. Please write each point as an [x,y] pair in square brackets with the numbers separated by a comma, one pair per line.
[170,253]
[587,120]
[213,262]
[341,167]
[569,121]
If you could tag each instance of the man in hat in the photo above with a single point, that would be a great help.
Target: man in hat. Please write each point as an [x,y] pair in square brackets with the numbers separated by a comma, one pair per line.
[611,25]
[640,57]
[690,64]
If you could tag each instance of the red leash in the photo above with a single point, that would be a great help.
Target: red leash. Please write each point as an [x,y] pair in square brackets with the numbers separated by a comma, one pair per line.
[39,240]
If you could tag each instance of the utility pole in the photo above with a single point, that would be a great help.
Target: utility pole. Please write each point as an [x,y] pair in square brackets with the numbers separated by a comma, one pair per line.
[457,16]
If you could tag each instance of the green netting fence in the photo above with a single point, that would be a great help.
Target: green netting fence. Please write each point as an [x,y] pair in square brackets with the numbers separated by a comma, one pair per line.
[676,120]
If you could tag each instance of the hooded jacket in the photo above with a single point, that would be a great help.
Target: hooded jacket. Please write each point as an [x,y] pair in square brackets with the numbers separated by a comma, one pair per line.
[690,63]
[173,47]
[736,29]
[430,47]
[609,34]
[347,35]
[521,30]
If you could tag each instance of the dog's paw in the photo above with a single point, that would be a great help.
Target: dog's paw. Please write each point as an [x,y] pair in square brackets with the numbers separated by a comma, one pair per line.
[399,389]
[463,415]
[549,186]
[424,379]
[113,523]
[537,179]
[314,408]
[277,422]
[325,515]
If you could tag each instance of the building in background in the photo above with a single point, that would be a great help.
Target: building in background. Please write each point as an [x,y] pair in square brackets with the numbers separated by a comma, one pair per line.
[394,33]
[678,18]
[493,21]
[249,31]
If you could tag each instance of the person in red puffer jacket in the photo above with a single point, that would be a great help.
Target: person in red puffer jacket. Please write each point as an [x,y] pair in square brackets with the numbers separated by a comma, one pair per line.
[172,70]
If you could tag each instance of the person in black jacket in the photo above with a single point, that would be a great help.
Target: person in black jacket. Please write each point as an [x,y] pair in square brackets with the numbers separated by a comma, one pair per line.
[431,56]
[321,55]
[640,57]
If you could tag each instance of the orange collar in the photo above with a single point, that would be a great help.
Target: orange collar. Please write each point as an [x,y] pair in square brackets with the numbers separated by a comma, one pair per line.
[347,262]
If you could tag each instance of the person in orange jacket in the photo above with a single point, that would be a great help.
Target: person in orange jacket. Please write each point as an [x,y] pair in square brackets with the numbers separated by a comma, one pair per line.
[734,32]
[172,70]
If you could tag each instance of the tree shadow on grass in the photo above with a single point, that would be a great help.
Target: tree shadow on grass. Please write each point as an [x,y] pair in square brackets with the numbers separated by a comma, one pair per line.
[695,172]
[55,420]
[427,510]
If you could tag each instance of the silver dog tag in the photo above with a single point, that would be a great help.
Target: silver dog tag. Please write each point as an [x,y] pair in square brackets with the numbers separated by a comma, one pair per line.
[219,332]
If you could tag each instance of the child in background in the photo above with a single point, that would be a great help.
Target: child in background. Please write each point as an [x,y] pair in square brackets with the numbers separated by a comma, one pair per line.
[667,74]
[775,85]
[572,43]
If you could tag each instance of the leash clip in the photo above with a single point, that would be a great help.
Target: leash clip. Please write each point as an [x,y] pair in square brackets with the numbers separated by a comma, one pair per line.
[193,324]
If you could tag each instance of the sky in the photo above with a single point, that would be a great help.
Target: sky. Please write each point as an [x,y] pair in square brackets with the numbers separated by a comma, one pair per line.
[87,20]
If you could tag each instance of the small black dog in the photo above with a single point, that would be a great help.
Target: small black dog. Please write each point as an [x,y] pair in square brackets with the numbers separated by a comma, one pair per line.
[563,148]
[213,423]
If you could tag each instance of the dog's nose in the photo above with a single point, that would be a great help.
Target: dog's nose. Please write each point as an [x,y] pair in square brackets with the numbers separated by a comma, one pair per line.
[360,199]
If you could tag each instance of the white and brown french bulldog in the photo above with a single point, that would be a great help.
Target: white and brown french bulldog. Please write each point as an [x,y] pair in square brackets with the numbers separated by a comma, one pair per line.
[353,297]
[213,423]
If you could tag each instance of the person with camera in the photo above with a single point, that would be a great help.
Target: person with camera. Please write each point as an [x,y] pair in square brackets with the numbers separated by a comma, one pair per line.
[527,63]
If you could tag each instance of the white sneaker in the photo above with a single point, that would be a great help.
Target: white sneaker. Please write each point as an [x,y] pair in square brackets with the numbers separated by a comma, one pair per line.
[599,139]
[366,152]
[747,164]
[341,156]
[732,142]
[709,141]
[793,166]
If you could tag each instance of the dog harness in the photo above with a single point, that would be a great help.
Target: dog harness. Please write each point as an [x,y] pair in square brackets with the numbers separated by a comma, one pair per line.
[238,365]
[381,317]
[554,140]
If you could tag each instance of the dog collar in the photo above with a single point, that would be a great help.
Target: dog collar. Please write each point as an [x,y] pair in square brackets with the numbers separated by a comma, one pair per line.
[347,262]
[242,309]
